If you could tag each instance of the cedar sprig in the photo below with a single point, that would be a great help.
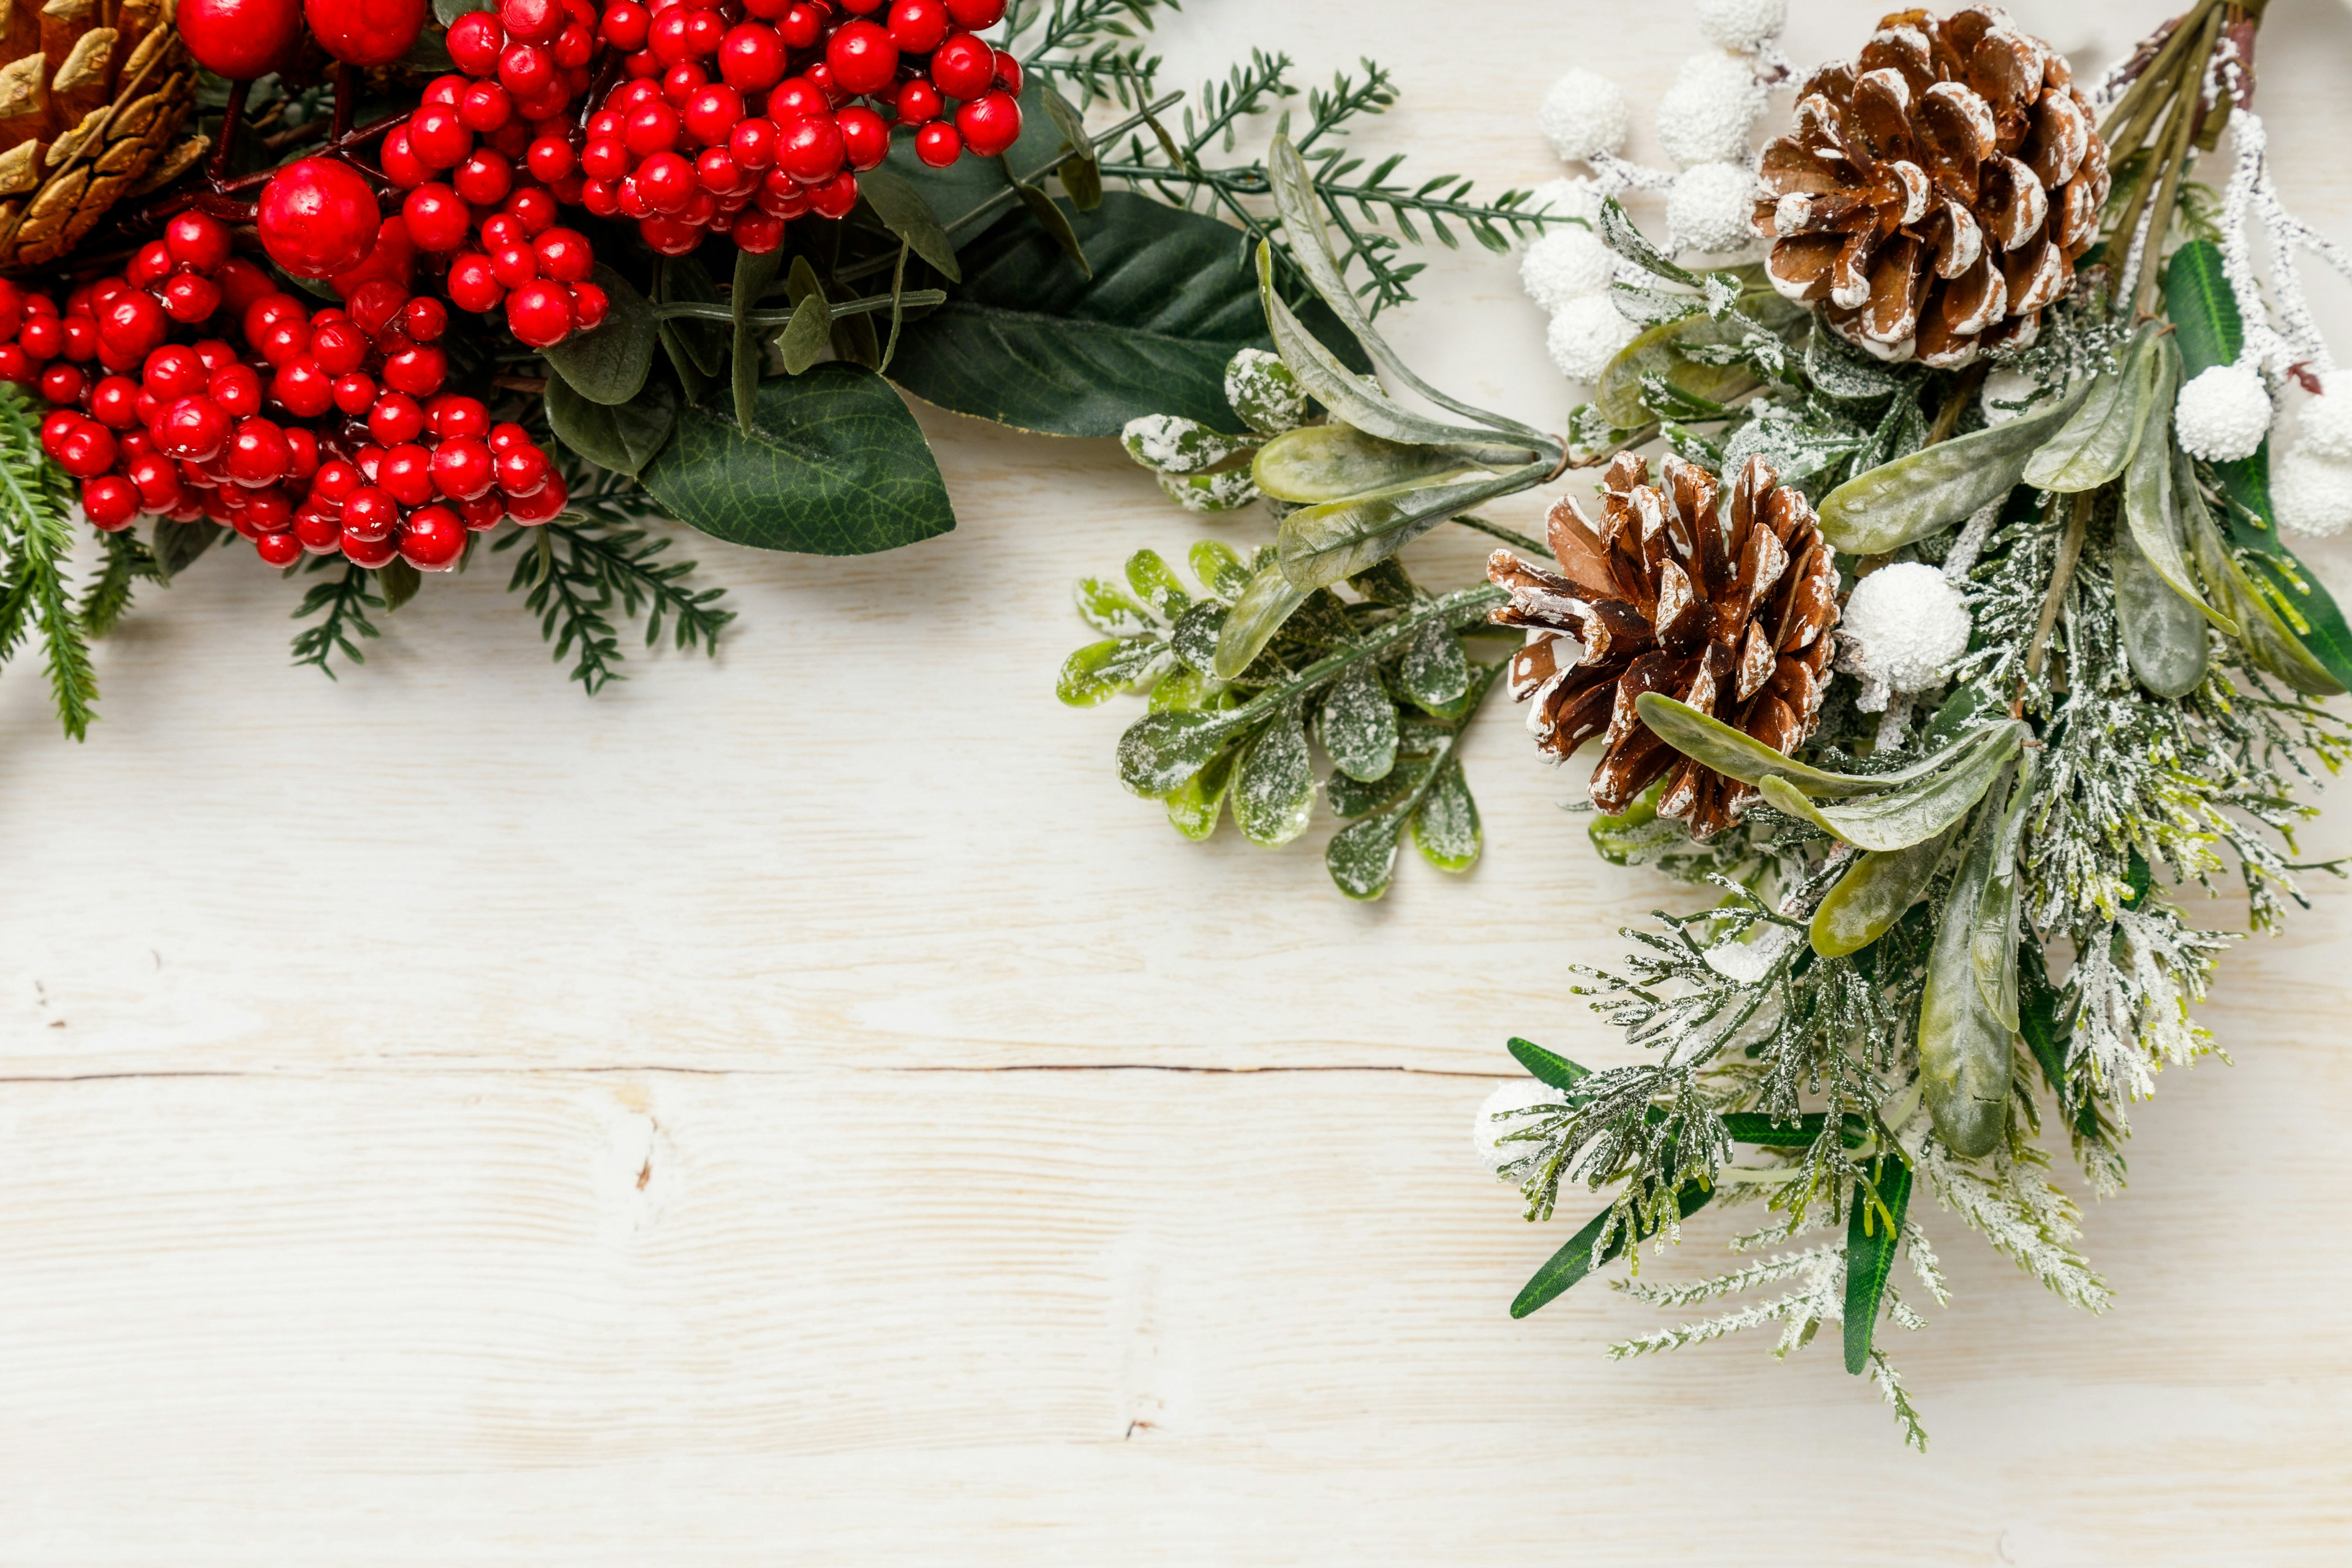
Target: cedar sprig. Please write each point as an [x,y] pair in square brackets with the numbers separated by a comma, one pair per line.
[36,537]
[342,603]
[1088,44]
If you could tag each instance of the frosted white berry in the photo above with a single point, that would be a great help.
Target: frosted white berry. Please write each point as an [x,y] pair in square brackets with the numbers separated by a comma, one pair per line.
[2312,493]
[1568,197]
[1710,208]
[2223,412]
[1584,115]
[1585,336]
[2326,420]
[1491,1127]
[1741,24]
[1566,264]
[1902,625]
[1709,114]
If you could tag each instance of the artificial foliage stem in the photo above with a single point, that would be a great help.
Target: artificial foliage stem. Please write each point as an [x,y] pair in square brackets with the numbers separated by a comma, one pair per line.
[2062,576]
[1462,604]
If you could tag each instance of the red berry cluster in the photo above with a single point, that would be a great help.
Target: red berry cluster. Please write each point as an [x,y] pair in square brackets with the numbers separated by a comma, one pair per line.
[365,455]
[777,134]
[486,156]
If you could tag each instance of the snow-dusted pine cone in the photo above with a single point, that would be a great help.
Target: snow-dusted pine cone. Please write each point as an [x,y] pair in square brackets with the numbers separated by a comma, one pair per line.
[1730,612]
[1935,192]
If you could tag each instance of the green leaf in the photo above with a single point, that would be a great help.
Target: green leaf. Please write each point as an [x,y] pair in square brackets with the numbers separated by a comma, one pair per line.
[1194,805]
[971,193]
[1871,1244]
[1324,544]
[752,276]
[807,335]
[1911,812]
[1160,751]
[399,583]
[177,545]
[1257,615]
[1572,1262]
[685,279]
[2163,632]
[1547,1067]
[1445,828]
[1320,463]
[1274,789]
[2202,308]
[1362,857]
[1360,724]
[2270,644]
[1964,1060]
[1108,608]
[1738,756]
[1055,222]
[1662,355]
[1433,672]
[1937,486]
[899,207]
[1780,1133]
[1081,173]
[610,364]
[1029,340]
[832,465]
[1874,893]
[1099,670]
[621,436]
[2099,438]
[448,11]
[2151,514]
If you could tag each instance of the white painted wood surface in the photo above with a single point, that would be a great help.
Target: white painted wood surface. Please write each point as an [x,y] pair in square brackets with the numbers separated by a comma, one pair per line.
[799,1110]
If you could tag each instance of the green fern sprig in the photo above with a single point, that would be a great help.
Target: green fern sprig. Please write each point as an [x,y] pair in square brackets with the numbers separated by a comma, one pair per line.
[36,537]
[128,564]
[343,601]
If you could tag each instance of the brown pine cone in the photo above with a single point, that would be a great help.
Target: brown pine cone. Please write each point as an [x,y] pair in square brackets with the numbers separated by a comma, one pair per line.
[1731,615]
[1935,192]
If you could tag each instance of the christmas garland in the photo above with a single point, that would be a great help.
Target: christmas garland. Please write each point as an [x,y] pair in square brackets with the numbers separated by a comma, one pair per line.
[360,282]
[1985,431]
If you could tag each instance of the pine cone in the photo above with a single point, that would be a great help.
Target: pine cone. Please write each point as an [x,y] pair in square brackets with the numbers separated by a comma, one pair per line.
[1729,615]
[92,96]
[1935,191]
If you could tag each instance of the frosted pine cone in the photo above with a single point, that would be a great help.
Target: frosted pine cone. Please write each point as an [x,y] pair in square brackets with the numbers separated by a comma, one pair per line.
[1730,612]
[1935,193]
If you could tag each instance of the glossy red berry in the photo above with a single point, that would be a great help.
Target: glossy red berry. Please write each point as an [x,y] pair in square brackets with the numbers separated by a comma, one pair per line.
[810,149]
[624,25]
[974,16]
[318,218]
[918,26]
[258,453]
[424,320]
[191,299]
[463,468]
[86,450]
[405,473]
[432,538]
[541,506]
[484,179]
[133,326]
[1008,72]
[370,513]
[919,103]
[438,138]
[752,143]
[418,370]
[354,393]
[241,39]
[864,137]
[521,469]
[471,286]
[711,114]
[194,430]
[863,58]
[237,388]
[395,419]
[302,388]
[539,313]
[650,128]
[109,501]
[802,24]
[280,549]
[365,32]
[486,106]
[938,145]
[533,208]
[438,218]
[527,70]
[197,241]
[61,384]
[563,254]
[533,21]
[474,43]
[590,304]
[835,197]
[963,67]
[450,415]
[549,159]
[991,123]
[751,58]
[113,402]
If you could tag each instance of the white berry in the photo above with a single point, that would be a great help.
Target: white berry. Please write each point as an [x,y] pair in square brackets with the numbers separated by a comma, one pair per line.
[1711,207]
[1585,336]
[1741,24]
[1902,625]
[2312,493]
[2326,420]
[1709,114]
[1491,1126]
[1566,264]
[2223,412]
[1584,116]
[1575,195]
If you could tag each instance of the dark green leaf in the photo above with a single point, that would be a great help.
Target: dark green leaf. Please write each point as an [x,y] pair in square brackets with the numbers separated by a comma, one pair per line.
[448,11]
[901,208]
[1572,1262]
[610,364]
[399,581]
[1964,1057]
[621,436]
[1056,221]
[1029,340]
[1160,751]
[685,279]
[1871,1244]
[807,335]
[1547,1067]
[1770,1131]
[1081,173]
[1360,724]
[1433,672]
[1274,789]
[832,465]
[752,276]
[177,545]
[1737,756]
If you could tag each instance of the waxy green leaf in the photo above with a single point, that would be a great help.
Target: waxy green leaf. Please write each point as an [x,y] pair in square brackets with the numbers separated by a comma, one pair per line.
[1160,751]
[621,436]
[1547,1067]
[1872,1239]
[2270,644]
[747,349]
[1327,543]
[1268,601]
[2164,633]
[1332,462]
[2094,445]
[1446,829]
[1937,486]
[1964,1054]
[1742,757]
[1574,1261]
[833,464]
[1360,724]
[899,207]
[1911,812]
[1874,893]
[610,364]
[2151,511]
[1274,788]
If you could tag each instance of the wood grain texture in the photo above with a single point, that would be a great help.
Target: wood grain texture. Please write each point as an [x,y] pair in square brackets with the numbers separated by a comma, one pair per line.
[799,1110]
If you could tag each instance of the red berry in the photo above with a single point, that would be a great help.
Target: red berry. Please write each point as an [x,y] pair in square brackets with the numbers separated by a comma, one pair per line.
[109,501]
[151,263]
[718,174]
[450,415]
[917,26]
[1008,72]
[424,320]
[370,513]
[938,144]
[666,236]
[796,97]
[432,539]
[400,165]
[395,419]
[463,468]
[365,32]
[474,42]
[624,25]
[194,430]
[302,447]
[278,549]
[963,67]
[532,207]
[865,138]
[919,103]
[241,39]
[650,128]
[56,424]
[527,70]
[973,15]
[573,47]
[373,305]
[751,58]
[549,159]
[339,347]
[539,313]
[284,344]
[61,384]
[86,450]
[991,123]
[258,454]
[174,372]
[405,473]
[443,91]
[564,255]
[757,233]
[589,304]
[418,370]
[521,470]
[132,327]
[335,481]
[703,29]
[15,365]
[803,24]
[483,512]
[471,285]
[506,436]
[667,182]
[484,179]
[810,150]
[541,506]
[437,217]
[354,393]
[437,138]
[863,58]
[303,389]
[318,216]
[43,337]
[862,7]
[157,478]
[835,197]
[196,240]
[712,113]
[605,160]
[237,388]
[752,143]
[486,106]
[681,82]
[265,512]
[81,339]
[113,402]
[369,553]
[533,21]
[191,298]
